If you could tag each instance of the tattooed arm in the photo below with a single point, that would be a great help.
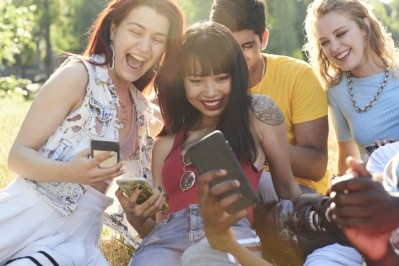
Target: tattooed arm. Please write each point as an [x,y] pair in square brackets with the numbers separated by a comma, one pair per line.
[268,122]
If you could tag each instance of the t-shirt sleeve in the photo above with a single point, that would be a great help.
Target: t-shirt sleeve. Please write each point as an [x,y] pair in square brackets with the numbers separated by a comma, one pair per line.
[341,127]
[309,100]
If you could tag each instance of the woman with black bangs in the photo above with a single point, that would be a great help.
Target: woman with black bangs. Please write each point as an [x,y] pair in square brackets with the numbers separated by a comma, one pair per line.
[208,91]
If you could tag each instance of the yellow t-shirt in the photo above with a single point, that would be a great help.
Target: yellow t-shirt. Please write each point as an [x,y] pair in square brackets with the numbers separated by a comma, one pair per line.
[297,91]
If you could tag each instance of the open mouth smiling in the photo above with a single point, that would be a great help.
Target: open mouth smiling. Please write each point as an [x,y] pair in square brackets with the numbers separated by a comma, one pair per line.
[342,55]
[135,61]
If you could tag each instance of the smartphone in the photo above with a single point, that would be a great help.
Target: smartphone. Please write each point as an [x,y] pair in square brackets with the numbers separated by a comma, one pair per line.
[213,152]
[128,185]
[370,148]
[99,146]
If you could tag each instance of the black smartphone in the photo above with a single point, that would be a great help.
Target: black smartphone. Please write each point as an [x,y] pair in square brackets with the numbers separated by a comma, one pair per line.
[213,152]
[128,185]
[370,148]
[99,146]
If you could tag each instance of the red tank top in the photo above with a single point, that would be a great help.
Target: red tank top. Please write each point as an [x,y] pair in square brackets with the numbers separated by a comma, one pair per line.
[173,168]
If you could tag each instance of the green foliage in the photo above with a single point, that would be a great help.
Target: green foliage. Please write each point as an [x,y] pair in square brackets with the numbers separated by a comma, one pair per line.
[285,23]
[389,15]
[73,22]
[196,10]
[11,85]
[16,29]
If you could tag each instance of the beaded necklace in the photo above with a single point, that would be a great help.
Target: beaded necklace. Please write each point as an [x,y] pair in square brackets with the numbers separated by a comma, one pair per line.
[373,99]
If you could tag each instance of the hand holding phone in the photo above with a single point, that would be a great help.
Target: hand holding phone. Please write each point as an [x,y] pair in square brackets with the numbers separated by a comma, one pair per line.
[128,185]
[213,152]
[99,146]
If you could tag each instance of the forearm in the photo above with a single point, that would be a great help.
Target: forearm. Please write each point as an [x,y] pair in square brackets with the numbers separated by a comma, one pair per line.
[307,162]
[143,227]
[29,164]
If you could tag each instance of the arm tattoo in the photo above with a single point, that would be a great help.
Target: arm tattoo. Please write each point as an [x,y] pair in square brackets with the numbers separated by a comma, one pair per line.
[266,110]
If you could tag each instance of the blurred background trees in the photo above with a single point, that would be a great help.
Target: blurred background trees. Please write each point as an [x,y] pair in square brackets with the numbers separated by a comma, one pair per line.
[34,33]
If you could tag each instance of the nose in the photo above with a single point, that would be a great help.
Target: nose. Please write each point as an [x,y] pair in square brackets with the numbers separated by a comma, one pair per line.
[335,46]
[144,44]
[210,89]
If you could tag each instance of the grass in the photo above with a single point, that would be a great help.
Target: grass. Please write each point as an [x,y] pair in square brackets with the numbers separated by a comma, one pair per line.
[13,109]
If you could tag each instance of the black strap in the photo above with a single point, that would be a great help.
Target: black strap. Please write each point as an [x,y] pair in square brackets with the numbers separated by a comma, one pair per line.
[27,257]
[49,258]
[35,261]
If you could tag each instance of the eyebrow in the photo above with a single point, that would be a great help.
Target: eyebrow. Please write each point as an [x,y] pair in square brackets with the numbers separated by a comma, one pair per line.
[142,27]
[247,43]
[333,32]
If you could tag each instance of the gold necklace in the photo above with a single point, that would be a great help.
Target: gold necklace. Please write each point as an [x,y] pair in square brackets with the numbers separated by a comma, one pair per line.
[373,99]
[263,75]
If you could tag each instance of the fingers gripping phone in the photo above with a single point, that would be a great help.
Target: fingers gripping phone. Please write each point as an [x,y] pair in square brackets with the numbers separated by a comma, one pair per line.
[128,185]
[213,152]
[99,146]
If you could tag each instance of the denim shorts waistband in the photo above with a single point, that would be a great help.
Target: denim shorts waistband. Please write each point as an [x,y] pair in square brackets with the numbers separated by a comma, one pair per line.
[193,209]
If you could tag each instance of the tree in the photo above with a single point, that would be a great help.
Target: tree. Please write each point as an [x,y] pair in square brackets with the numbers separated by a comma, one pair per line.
[196,10]
[15,32]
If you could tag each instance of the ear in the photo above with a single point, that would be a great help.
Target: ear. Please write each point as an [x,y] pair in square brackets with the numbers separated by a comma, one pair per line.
[265,39]
[367,21]
[112,31]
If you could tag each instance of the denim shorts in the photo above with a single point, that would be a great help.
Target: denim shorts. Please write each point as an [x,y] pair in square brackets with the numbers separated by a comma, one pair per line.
[170,238]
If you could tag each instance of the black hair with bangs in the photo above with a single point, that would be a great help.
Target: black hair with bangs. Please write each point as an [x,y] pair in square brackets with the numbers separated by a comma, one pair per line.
[210,48]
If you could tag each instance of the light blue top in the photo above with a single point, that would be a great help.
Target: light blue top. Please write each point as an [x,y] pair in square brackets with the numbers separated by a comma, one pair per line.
[380,122]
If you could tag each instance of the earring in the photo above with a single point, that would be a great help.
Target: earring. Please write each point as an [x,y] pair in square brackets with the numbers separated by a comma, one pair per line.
[112,63]
[156,68]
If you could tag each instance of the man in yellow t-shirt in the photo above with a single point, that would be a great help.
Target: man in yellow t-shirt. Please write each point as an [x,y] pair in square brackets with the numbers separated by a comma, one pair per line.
[293,86]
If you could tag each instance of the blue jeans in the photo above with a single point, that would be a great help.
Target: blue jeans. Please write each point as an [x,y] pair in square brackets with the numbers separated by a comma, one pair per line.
[168,240]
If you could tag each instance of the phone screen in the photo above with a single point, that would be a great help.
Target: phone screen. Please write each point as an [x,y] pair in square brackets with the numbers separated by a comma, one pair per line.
[128,185]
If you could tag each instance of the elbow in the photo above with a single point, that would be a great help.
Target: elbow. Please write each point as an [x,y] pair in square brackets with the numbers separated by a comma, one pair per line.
[320,172]
[11,159]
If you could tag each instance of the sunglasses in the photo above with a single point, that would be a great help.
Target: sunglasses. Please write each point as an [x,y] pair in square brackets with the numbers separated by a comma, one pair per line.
[187,179]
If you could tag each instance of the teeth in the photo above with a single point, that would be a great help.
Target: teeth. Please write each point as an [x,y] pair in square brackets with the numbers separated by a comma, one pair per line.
[311,221]
[214,103]
[137,57]
[342,55]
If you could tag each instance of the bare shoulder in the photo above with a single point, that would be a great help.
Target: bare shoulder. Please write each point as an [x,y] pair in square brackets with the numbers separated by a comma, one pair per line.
[72,77]
[264,109]
[164,144]
[67,84]
[72,73]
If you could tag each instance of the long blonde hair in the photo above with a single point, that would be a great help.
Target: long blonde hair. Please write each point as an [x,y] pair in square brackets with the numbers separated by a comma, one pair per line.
[378,39]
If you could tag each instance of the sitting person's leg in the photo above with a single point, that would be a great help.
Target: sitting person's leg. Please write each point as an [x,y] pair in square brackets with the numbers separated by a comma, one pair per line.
[170,238]
[203,254]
